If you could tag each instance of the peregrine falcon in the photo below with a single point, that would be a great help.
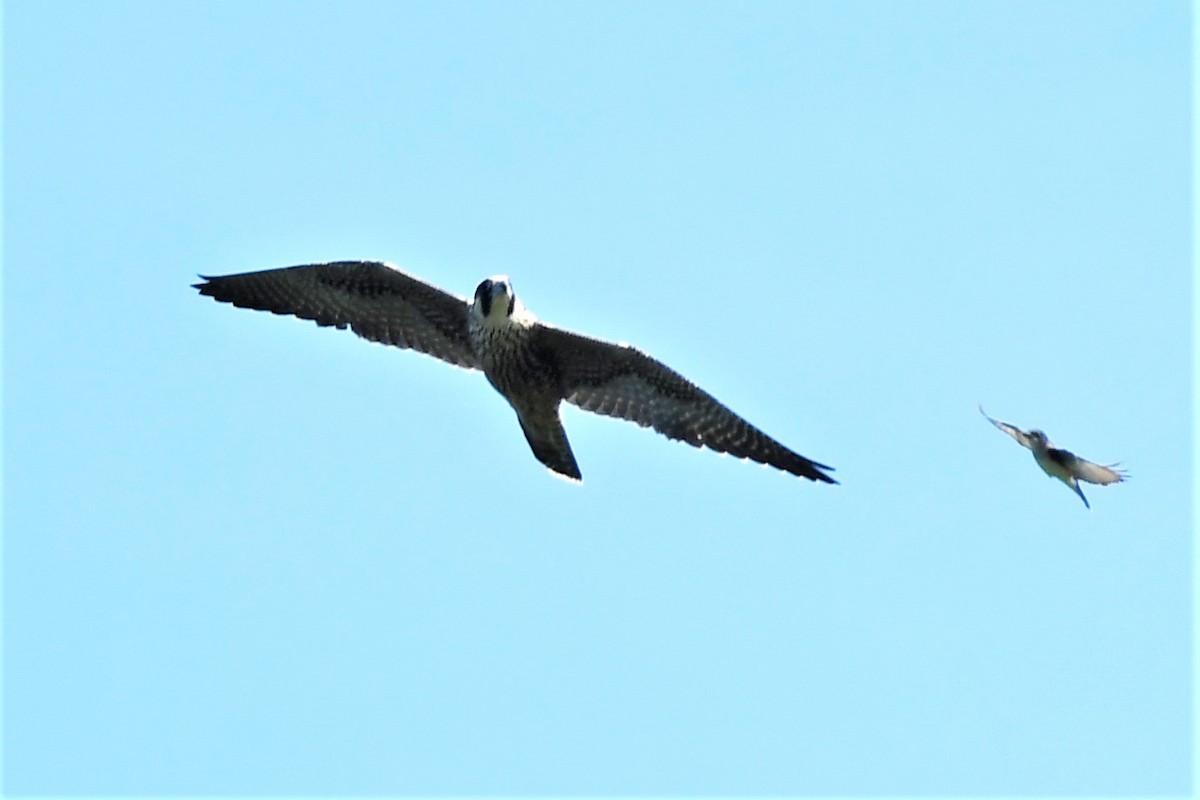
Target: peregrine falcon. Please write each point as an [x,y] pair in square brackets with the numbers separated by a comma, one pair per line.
[1062,464]
[533,365]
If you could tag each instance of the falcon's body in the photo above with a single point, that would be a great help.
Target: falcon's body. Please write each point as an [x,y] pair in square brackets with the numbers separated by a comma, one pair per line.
[1058,463]
[533,365]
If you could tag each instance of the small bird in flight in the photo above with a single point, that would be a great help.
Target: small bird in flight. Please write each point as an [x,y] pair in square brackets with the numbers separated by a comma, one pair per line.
[534,365]
[1062,464]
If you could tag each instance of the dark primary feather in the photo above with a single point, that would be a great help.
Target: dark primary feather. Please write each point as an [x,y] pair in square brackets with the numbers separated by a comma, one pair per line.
[377,301]
[621,381]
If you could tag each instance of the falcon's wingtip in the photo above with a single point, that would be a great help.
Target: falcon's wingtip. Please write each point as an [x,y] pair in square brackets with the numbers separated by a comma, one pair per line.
[575,480]
[816,473]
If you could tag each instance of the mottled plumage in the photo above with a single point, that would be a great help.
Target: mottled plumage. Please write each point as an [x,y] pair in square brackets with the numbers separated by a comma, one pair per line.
[1058,463]
[533,365]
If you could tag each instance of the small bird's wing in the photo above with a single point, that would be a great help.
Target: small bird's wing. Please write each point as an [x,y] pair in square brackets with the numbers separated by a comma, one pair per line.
[1085,470]
[621,381]
[377,301]
[1012,430]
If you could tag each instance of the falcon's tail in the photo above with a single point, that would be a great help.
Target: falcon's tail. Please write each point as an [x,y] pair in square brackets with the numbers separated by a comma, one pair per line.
[548,440]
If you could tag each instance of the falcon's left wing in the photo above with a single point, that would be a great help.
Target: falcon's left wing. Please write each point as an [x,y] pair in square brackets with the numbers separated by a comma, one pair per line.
[621,381]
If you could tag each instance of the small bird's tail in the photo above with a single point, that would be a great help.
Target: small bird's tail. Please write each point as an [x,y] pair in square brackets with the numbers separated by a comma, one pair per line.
[1074,484]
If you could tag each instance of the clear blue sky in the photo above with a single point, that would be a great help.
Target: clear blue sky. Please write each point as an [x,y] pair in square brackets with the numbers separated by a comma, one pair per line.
[246,555]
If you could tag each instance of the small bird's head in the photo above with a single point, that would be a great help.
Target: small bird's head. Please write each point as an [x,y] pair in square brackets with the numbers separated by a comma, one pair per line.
[495,299]
[1038,437]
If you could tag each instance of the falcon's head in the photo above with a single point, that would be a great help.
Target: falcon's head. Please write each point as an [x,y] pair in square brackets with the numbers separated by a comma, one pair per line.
[495,300]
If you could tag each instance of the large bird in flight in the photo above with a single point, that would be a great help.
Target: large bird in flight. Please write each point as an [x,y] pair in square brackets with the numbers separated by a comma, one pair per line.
[1062,464]
[534,365]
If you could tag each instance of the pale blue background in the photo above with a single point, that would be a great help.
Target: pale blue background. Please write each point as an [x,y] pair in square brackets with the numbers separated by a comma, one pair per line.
[245,555]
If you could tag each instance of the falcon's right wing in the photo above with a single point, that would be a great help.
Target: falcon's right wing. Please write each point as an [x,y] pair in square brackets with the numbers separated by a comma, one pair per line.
[377,301]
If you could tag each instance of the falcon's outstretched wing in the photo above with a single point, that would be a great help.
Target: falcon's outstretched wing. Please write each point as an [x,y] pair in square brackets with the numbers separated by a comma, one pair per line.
[621,381]
[1012,430]
[1086,470]
[377,301]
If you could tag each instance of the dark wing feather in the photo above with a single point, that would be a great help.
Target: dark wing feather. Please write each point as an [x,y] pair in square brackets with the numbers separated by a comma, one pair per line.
[1086,470]
[1012,430]
[621,381]
[377,301]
